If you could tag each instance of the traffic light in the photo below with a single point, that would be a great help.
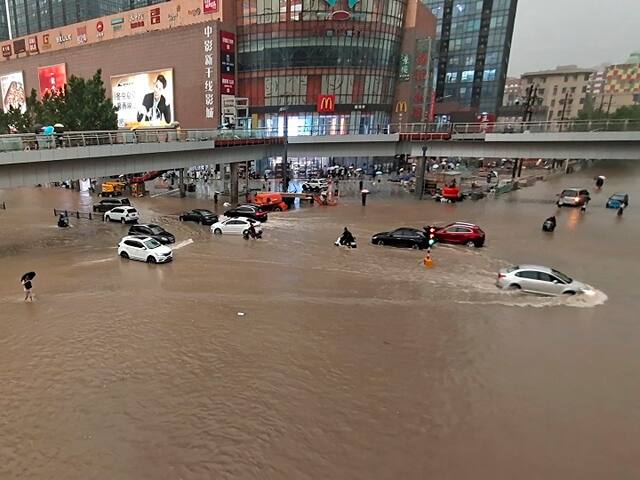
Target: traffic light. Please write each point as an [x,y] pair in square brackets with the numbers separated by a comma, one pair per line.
[432,236]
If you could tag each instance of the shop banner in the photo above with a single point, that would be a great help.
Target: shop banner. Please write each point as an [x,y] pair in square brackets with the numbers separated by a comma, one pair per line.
[210,6]
[143,99]
[12,87]
[52,78]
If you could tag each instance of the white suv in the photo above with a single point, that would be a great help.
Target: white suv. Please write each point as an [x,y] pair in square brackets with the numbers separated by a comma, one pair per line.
[317,185]
[122,215]
[144,249]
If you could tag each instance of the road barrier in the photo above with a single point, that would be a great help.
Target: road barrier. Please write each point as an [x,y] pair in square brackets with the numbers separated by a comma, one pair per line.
[74,213]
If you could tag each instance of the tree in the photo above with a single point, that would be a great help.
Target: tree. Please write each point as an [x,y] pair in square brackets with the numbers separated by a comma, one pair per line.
[631,112]
[84,105]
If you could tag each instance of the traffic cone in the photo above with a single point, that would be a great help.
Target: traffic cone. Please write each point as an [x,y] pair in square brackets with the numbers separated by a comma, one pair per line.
[427,261]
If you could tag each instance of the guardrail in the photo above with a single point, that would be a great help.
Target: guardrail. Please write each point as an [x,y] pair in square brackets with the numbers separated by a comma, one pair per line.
[231,138]
[74,213]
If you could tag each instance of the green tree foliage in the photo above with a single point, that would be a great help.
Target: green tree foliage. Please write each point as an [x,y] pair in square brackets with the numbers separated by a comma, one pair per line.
[627,113]
[82,105]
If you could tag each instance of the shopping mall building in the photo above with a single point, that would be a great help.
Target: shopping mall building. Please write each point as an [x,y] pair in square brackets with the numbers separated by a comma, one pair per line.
[333,65]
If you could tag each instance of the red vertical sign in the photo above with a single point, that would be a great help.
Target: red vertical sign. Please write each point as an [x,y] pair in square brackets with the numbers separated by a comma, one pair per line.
[432,107]
[227,42]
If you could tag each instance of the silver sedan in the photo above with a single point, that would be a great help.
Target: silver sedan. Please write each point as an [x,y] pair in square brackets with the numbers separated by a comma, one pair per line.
[539,279]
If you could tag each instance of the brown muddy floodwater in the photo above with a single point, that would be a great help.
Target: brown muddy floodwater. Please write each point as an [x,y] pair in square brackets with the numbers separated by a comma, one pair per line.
[346,365]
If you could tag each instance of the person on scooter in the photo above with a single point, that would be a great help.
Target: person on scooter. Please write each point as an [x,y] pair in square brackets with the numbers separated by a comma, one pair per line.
[347,238]
[252,231]
[549,224]
[63,221]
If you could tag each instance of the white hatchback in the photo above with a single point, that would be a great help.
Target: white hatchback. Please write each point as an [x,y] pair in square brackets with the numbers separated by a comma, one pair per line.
[144,249]
[122,215]
[235,226]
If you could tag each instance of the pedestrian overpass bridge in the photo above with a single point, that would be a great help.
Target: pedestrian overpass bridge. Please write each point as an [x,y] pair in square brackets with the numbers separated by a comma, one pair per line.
[27,160]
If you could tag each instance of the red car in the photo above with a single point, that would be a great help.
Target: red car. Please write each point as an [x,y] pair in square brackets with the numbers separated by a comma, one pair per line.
[461,233]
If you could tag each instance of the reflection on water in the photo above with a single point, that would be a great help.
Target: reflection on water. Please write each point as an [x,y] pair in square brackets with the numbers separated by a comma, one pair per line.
[352,364]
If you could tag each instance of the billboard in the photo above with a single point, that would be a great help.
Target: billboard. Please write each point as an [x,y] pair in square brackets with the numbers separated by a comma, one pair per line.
[12,88]
[52,78]
[143,99]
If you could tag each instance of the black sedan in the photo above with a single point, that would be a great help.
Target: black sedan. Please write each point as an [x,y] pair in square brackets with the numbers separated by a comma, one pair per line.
[254,212]
[402,237]
[154,231]
[199,215]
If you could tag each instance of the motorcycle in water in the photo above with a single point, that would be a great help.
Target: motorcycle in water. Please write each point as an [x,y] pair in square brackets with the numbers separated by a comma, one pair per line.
[247,235]
[340,243]
[63,221]
[549,224]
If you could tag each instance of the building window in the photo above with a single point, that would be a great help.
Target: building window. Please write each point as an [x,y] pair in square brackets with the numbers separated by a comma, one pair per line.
[489,75]
[566,78]
[553,103]
[467,76]
[451,77]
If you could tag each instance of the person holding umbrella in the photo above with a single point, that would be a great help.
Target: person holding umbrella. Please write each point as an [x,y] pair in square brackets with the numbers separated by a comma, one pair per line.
[27,284]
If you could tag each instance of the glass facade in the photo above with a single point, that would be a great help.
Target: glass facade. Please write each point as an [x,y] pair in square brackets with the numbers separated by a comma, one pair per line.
[474,43]
[291,52]
[32,16]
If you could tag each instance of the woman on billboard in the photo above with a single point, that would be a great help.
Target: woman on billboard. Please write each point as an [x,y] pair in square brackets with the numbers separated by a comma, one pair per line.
[154,105]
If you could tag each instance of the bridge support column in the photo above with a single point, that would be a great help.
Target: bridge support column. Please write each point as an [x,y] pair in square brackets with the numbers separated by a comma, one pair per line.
[421,168]
[233,183]
[183,190]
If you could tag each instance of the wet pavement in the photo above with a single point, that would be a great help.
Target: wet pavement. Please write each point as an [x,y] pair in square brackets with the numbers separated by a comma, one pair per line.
[354,364]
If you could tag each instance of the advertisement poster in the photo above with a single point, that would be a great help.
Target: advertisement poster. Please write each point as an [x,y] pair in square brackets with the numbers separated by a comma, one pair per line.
[52,78]
[210,6]
[12,88]
[143,99]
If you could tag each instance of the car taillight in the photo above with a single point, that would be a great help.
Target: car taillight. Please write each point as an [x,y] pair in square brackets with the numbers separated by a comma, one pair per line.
[501,275]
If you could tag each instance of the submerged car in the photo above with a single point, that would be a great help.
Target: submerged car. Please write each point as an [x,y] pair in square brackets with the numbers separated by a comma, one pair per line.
[144,249]
[235,226]
[199,215]
[122,215]
[255,212]
[154,231]
[109,203]
[461,233]
[573,197]
[617,200]
[539,279]
[402,237]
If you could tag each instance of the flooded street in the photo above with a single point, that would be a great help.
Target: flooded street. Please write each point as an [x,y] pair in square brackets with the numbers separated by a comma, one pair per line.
[351,365]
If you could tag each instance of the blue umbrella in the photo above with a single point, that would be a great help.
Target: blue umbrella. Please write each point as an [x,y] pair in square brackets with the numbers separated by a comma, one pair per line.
[48,130]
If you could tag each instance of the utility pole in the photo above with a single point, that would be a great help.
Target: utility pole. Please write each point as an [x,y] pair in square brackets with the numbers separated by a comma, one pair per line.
[564,108]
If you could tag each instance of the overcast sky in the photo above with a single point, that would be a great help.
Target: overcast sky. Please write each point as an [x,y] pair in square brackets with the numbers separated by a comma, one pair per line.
[567,32]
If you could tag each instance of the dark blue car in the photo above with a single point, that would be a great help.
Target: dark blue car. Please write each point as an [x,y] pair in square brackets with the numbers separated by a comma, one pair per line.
[617,200]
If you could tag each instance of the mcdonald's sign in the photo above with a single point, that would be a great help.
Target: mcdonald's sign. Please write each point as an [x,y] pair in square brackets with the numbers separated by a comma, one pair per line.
[326,103]
[401,107]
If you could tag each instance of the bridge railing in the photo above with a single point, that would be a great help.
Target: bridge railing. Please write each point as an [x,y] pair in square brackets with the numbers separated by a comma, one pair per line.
[32,141]
[21,142]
